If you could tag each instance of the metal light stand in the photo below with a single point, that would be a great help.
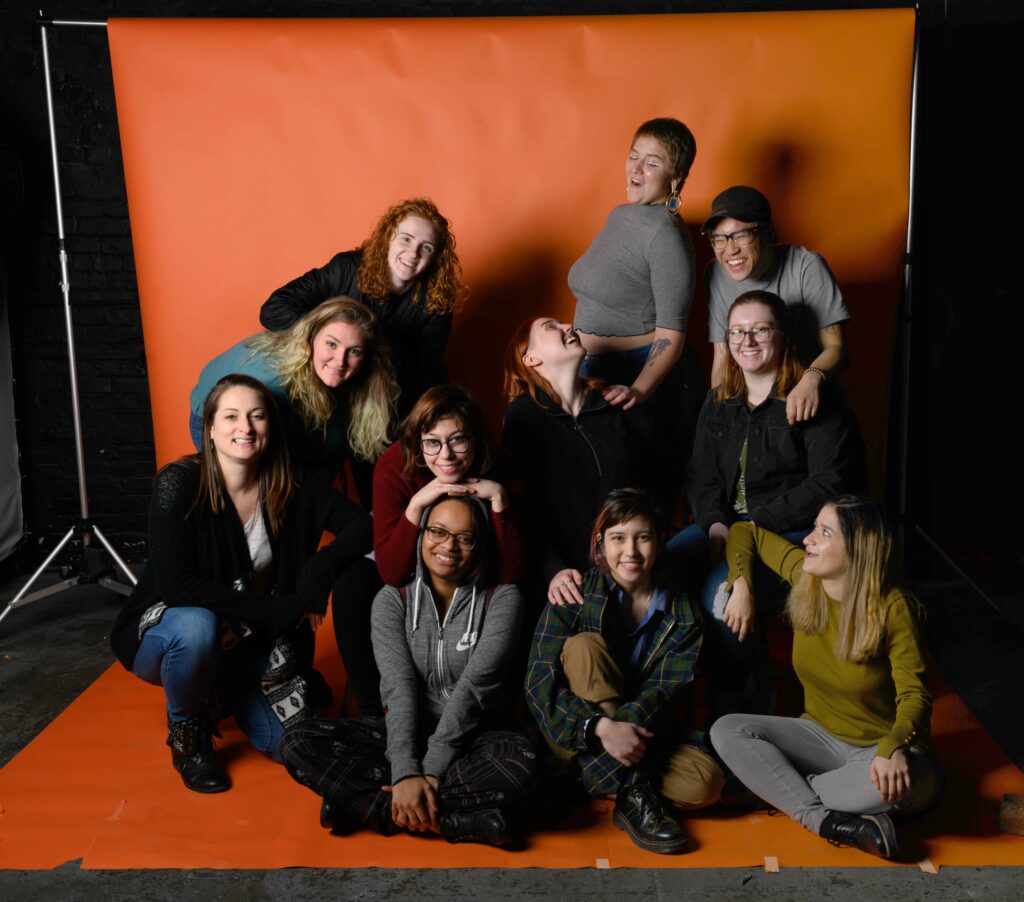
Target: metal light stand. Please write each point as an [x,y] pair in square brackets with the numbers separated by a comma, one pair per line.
[83,527]
[906,318]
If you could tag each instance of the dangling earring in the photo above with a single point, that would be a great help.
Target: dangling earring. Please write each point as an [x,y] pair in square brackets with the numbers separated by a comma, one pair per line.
[672,203]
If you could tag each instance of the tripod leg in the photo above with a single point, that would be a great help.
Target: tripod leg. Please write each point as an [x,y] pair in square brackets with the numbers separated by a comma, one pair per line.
[110,550]
[14,601]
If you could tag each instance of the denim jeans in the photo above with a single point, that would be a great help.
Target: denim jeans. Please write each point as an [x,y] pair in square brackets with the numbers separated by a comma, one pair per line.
[182,653]
[689,552]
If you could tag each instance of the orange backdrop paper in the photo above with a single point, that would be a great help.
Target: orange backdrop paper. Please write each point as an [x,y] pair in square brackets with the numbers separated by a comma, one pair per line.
[256,149]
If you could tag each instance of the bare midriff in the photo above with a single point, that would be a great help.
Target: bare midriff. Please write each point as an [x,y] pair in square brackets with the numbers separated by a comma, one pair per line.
[609,344]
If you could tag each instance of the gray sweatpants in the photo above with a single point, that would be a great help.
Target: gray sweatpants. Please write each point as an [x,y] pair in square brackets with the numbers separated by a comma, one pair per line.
[800,768]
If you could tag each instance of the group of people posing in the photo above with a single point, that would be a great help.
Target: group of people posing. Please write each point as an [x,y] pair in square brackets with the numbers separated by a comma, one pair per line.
[527,617]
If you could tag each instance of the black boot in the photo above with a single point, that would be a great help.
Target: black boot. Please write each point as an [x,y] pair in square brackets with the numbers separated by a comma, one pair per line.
[192,756]
[640,811]
[487,826]
[871,833]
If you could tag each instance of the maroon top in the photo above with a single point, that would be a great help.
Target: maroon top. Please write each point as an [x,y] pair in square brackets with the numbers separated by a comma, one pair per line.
[394,537]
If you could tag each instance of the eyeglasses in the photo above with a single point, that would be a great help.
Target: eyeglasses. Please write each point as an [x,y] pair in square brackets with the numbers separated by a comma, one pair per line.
[457,444]
[760,334]
[437,535]
[741,237]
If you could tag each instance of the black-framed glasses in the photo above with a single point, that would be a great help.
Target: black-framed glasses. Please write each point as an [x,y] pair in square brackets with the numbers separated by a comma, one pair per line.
[760,334]
[741,237]
[457,444]
[437,535]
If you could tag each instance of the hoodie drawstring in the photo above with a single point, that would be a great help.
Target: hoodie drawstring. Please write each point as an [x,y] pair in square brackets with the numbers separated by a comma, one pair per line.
[469,623]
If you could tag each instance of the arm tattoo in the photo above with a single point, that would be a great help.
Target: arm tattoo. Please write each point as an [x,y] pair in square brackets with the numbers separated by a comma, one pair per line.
[657,349]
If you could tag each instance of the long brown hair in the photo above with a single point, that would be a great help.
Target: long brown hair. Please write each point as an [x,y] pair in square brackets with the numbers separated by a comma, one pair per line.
[521,379]
[371,394]
[790,370]
[868,541]
[276,483]
[433,406]
[437,289]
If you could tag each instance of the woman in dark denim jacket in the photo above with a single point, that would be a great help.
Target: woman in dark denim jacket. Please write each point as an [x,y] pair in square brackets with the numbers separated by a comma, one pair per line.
[751,463]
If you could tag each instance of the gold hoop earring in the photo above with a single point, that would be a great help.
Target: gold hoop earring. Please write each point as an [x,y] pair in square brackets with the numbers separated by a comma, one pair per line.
[673,203]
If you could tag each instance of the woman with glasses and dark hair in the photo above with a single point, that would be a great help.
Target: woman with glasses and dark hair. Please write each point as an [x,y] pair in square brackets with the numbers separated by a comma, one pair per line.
[444,759]
[863,746]
[748,258]
[750,463]
[443,448]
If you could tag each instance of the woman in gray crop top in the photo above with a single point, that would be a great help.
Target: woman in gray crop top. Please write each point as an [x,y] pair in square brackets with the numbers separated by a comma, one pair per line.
[634,289]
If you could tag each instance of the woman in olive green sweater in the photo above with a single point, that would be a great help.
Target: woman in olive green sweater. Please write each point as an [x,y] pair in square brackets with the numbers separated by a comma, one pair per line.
[862,747]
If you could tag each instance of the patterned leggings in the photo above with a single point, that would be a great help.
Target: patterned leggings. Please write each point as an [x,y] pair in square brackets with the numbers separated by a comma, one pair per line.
[344,761]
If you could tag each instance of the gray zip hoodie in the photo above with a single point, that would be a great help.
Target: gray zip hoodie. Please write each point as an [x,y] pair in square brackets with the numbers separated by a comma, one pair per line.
[438,678]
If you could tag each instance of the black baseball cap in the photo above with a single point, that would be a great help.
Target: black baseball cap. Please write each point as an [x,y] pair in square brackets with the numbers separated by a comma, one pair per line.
[740,202]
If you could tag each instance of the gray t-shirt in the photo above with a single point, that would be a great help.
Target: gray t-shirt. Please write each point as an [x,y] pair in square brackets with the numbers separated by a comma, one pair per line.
[801,278]
[637,274]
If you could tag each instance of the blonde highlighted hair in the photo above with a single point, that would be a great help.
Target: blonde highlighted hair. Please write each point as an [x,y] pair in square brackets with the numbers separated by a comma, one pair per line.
[868,541]
[371,394]
[733,384]
[437,289]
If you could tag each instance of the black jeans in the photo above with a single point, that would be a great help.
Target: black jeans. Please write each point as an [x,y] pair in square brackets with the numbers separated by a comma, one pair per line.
[344,761]
[351,604]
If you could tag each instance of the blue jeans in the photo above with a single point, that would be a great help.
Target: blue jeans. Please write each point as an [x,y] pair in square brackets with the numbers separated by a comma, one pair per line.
[689,552]
[182,653]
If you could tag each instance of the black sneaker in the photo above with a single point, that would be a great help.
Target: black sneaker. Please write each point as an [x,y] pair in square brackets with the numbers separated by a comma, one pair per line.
[640,811]
[871,833]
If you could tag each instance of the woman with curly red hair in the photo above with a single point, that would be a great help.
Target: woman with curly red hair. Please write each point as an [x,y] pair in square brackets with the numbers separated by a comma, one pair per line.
[408,273]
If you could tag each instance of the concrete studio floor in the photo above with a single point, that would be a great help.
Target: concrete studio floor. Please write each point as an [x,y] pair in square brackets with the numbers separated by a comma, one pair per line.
[51,650]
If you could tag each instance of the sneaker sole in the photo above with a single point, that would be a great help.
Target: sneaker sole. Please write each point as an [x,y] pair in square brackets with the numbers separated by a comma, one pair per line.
[888,833]
[648,845]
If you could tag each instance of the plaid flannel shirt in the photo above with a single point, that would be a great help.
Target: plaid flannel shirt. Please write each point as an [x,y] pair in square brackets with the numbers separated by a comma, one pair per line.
[667,667]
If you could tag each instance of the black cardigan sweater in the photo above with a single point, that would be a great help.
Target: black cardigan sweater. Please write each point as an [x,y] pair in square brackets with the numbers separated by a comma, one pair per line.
[198,558]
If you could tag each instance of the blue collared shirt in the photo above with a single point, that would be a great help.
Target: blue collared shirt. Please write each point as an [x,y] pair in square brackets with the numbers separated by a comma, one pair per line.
[637,642]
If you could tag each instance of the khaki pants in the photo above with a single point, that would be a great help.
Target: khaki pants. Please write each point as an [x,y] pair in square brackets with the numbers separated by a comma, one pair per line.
[692,778]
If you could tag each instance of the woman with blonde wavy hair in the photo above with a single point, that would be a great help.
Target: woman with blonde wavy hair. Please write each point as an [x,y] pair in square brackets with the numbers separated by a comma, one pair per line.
[862,748]
[408,274]
[331,377]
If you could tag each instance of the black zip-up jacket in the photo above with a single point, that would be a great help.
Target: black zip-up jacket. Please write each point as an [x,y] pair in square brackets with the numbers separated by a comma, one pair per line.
[570,464]
[791,470]
[418,339]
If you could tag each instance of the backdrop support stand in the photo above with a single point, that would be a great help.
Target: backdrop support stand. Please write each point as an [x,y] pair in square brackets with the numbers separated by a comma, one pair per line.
[91,567]
[907,522]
